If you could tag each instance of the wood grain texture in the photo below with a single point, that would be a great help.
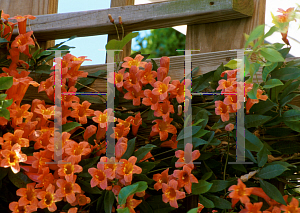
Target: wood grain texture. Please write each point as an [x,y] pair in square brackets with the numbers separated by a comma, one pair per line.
[225,35]
[136,17]
[127,49]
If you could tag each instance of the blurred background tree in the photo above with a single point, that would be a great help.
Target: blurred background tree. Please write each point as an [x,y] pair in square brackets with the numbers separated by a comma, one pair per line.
[161,42]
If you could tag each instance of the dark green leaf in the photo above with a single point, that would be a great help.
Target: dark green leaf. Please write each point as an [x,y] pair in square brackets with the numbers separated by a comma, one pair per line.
[185,133]
[252,142]
[266,71]
[146,166]
[130,148]
[255,120]
[262,156]
[86,186]
[290,88]
[3,172]
[131,189]
[202,82]
[288,147]
[272,191]
[287,73]
[109,200]
[6,82]
[291,115]
[124,210]
[207,175]
[70,126]
[3,40]
[219,185]
[201,187]
[90,162]
[219,202]
[154,65]
[84,81]
[141,152]
[5,113]
[288,99]
[7,103]
[262,107]
[20,180]
[271,171]
[46,69]
[206,202]
[294,125]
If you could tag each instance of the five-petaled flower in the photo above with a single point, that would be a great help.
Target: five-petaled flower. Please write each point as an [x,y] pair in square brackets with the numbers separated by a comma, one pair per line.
[171,194]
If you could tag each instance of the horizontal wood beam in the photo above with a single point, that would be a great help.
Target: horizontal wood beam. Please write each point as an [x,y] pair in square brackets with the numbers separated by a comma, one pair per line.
[139,17]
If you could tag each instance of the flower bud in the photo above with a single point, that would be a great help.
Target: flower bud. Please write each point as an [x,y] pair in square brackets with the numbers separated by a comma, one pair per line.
[179,110]
[111,19]
[120,20]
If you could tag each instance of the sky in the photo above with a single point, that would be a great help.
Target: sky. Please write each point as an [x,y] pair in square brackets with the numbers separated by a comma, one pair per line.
[91,46]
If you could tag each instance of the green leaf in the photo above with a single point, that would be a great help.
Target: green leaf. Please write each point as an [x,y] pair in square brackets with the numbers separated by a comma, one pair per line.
[272,83]
[219,185]
[271,55]
[198,121]
[290,88]
[2,97]
[86,186]
[142,177]
[252,94]
[255,120]
[7,103]
[206,202]
[201,187]
[288,99]
[46,69]
[6,82]
[155,67]
[239,167]
[252,142]
[3,172]
[266,71]
[124,210]
[294,125]
[291,115]
[195,129]
[262,107]
[262,156]
[232,64]
[202,82]
[84,81]
[288,147]
[255,34]
[4,113]
[3,40]
[141,152]
[118,45]
[130,149]
[207,175]
[131,189]
[219,202]
[70,126]
[146,166]
[271,171]
[287,73]
[90,162]
[20,180]
[272,191]
[109,200]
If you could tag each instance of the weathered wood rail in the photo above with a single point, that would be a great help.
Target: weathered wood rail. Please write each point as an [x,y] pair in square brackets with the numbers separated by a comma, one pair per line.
[139,17]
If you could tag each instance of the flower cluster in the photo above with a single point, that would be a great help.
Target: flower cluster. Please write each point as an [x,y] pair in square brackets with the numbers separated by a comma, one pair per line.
[241,193]
[233,101]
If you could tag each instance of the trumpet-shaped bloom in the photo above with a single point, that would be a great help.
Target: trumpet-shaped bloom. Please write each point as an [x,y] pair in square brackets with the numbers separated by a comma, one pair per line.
[134,95]
[28,195]
[46,113]
[100,175]
[76,150]
[171,194]
[187,156]
[147,76]
[150,99]
[127,168]
[16,208]
[163,128]
[131,79]
[22,20]
[185,178]
[164,109]
[162,88]
[12,139]
[12,158]
[68,169]
[101,118]
[22,42]
[160,179]
[239,192]
[223,110]
[170,143]
[48,198]
[68,188]
[292,207]
[137,61]
[136,122]
[253,208]
[131,203]
[81,111]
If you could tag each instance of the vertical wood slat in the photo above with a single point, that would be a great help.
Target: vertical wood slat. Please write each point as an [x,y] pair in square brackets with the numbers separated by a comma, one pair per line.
[225,35]
[127,49]
[31,7]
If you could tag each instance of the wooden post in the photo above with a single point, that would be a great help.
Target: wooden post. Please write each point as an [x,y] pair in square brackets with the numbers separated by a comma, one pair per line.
[31,7]
[224,35]
[127,49]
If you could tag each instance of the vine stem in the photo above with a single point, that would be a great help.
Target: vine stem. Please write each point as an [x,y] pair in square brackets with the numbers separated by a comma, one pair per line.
[224,173]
